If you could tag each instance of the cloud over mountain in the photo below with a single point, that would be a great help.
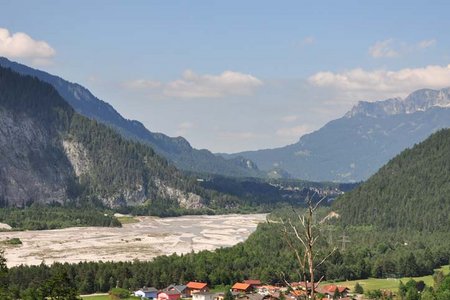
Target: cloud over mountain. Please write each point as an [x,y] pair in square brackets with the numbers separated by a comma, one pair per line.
[21,45]
[193,85]
[384,81]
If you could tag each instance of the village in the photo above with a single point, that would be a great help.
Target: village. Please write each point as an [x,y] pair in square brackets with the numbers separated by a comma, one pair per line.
[251,289]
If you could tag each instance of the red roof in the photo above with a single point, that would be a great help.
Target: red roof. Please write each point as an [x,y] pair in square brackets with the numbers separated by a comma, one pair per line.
[241,286]
[303,284]
[332,288]
[196,285]
[253,281]
[298,293]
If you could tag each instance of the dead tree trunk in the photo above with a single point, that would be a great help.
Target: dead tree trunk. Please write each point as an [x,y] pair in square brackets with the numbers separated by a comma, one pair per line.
[308,236]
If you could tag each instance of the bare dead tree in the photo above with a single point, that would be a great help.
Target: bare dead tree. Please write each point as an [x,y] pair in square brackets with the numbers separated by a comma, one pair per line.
[307,234]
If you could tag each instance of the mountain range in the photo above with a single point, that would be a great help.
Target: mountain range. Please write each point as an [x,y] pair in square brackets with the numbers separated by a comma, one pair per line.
[355,146]
[52,154]
[348,149]
[175,149]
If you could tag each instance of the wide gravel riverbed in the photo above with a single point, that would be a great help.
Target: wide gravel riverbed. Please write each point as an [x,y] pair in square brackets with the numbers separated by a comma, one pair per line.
[143,240]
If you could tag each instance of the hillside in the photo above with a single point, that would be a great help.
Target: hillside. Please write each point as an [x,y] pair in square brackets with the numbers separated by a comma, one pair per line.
[50,153]
[411,191]
[175,149]
[354,147]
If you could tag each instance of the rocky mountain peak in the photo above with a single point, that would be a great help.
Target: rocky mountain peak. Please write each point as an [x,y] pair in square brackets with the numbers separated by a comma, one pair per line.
[420,100]
[377,109]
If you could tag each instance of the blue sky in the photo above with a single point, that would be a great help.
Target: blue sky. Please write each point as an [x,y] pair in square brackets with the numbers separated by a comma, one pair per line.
[234,75]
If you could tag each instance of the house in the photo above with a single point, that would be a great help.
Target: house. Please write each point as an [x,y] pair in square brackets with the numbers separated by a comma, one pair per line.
[267,289]
[256,296]
[298,293]
[331,289]
[221,295]
[254,283]
[303,285]
[250,297]
[169,295]
[196,287]
[203,296]
[147,292]
[181,288]
[241,287]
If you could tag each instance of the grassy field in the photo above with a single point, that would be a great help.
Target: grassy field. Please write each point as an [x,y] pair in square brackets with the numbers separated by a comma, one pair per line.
[390,283]
[127,220]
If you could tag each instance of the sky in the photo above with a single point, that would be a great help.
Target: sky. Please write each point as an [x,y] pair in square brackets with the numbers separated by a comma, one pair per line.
[231,75]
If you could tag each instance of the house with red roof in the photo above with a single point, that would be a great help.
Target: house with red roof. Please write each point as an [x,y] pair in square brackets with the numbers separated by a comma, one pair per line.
[196,287]
[331,289]
[169,295]
[241,287]
[255,283]
[303,285]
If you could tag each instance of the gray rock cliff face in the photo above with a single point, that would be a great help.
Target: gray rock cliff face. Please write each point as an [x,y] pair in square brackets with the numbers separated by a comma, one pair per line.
[26,147]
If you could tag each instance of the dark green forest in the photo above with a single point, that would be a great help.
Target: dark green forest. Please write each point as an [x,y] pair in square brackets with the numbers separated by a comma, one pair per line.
[258,191]
[410,191]
[40,217]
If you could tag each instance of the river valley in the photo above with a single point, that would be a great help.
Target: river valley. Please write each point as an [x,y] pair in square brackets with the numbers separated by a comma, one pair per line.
[144,240]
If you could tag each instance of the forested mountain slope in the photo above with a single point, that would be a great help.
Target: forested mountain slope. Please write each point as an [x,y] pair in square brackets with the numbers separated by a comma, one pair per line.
[411,191]
[178,150]
[50,153]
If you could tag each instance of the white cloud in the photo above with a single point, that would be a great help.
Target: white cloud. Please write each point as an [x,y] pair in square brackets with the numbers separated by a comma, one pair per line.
[192,85]
[383,49]
[426,43]
[142,84]
[384,82]
[289,118]
[393,48]
[21,45]
[309,40]
[293,132]
[184,128]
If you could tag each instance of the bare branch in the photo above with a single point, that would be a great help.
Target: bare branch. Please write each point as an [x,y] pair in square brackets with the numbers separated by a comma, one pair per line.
[296,252]
[297,235]
[318,203]
[318,282]
[326,257]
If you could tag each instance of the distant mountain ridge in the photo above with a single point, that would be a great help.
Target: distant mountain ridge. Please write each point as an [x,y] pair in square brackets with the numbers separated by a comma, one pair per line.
[178,150]
[353,147]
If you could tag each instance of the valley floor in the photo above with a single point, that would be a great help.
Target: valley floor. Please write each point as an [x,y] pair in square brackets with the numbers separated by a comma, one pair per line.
[143,240]
[391,284]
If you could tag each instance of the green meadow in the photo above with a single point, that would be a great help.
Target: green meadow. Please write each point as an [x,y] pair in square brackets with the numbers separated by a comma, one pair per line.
[389,283]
